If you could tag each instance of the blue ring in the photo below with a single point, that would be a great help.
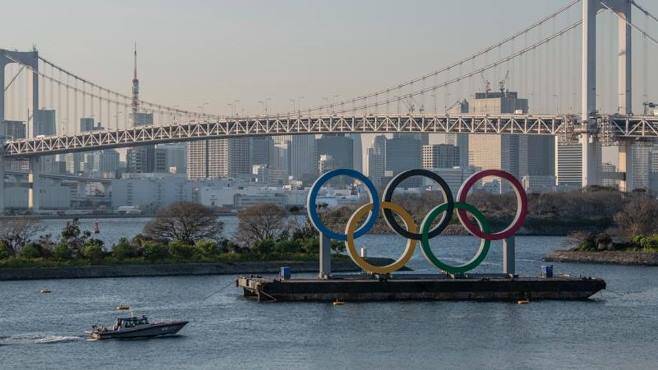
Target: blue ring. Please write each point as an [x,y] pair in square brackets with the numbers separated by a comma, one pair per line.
[312,210]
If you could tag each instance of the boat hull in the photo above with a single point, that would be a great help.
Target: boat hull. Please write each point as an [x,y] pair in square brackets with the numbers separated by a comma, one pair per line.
[152,331]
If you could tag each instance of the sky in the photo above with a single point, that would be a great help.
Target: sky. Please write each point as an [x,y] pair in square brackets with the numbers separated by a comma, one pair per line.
[216,52]
[202,53]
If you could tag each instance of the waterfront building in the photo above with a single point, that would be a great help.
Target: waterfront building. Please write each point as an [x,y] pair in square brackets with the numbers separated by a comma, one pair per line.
[261,149]
[608,175]
[357,152]
[638,176]
[151,191]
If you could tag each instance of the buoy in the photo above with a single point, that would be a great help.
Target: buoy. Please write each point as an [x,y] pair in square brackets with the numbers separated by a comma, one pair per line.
[97,227]
[122,307]
[522,301]
[45,291]
[338,302]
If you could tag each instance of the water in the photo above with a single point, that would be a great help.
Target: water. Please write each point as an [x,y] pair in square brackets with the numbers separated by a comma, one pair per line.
[618,329]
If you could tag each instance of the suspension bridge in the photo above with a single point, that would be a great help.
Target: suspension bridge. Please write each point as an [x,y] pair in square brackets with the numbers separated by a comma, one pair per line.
[557,61]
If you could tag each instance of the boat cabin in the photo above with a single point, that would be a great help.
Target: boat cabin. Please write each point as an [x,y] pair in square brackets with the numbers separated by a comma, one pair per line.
[130,322]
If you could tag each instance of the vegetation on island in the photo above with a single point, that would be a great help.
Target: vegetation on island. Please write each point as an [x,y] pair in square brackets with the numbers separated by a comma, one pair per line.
[635,228]
[180,233]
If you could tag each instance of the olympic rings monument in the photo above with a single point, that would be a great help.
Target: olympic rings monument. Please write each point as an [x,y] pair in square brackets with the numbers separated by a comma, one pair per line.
[451,282]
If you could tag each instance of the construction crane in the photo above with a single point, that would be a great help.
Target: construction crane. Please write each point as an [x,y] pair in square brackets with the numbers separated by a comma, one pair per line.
[501,83]
[487,85]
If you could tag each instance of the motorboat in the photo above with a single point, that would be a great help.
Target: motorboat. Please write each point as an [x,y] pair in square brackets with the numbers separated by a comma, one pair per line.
[136,327]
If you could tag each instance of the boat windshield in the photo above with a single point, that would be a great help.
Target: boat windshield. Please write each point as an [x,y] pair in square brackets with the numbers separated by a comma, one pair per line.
[132,322]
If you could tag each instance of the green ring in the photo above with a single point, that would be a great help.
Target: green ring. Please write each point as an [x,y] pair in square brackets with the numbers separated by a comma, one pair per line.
[425,240]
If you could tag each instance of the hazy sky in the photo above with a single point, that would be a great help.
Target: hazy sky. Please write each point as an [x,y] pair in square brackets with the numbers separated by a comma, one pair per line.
[193,52]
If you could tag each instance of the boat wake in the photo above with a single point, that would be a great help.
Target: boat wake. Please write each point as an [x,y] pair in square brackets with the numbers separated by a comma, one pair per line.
[37,339]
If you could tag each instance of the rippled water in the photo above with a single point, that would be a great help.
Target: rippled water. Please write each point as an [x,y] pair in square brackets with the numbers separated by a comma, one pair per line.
[617,329]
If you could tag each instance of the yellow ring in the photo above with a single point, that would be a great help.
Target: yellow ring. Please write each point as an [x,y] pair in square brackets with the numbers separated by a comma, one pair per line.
[350,228]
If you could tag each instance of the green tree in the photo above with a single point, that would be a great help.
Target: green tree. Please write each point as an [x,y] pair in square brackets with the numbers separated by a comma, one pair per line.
[207,248]
[154,251]
[62,252]
[124,249]
[180,249]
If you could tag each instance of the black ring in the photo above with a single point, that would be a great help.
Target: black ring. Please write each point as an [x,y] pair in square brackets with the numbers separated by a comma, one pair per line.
[445,189]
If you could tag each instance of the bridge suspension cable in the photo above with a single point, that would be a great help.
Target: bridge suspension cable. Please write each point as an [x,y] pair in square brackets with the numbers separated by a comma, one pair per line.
[448,68]
[467,75]
[654,40]
[118,94]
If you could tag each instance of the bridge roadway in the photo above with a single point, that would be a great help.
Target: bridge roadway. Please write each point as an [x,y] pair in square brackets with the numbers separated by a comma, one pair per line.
[613,127]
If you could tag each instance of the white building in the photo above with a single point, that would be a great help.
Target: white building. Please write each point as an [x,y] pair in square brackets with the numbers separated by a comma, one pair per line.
[151,191]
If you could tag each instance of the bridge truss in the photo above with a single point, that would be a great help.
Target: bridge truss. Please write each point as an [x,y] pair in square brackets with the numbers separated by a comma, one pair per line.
[612,128]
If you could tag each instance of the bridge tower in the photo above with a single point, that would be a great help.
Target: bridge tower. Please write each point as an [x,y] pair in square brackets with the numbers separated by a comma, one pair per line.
[30,59]
[591,150]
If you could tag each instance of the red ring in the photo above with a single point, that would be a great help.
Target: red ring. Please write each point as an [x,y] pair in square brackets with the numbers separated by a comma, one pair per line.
[521,201]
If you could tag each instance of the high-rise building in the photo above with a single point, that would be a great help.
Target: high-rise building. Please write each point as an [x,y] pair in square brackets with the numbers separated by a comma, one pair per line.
[302,158]
[218,158]
[639,175]
[496,151]
[141,159]
[568,163]
[357,152]
[176,157]
[13,129]
[440,156]
[44,120]
[87,124]
[261,148]
[536,155]
[339,147]
[403,152]
[377,160]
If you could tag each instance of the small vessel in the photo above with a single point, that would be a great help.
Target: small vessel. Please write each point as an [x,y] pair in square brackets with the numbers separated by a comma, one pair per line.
[338,302]
[122,307]
[522,301]
[136,327]
[45,291]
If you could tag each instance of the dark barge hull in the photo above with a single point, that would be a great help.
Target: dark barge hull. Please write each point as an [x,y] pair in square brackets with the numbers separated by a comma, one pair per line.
[420,287]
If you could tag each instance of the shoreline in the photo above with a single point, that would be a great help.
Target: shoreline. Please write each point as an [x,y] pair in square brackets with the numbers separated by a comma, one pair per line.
[604,257]
[175,269]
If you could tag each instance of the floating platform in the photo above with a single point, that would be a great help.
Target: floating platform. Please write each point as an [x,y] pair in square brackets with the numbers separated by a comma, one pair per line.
[406,287]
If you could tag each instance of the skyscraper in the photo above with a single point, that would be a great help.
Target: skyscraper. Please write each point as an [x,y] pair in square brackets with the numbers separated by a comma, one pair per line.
[218,158]
[302,158]
[339,147]
[440,156]
[403,152]
[568,163]
[377,160]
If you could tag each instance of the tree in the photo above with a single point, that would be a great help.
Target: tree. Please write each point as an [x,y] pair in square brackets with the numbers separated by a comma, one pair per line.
[16,233]
[186,222]
[261,222]
[638,217]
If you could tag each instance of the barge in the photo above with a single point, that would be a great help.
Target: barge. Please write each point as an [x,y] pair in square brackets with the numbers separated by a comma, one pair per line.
[408,287]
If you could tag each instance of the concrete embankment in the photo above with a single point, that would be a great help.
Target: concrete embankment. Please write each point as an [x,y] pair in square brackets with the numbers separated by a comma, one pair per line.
[607,257]
[182,269]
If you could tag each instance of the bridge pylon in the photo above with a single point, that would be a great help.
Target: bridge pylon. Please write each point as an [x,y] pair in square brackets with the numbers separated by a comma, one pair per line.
[34,180]
[591,148]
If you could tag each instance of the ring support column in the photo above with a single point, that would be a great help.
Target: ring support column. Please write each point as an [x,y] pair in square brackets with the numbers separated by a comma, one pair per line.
[325,256]
[509,257]
[33,178]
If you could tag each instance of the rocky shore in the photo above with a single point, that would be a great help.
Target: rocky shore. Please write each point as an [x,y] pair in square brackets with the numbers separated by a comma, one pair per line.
[180,269]
[605,257]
